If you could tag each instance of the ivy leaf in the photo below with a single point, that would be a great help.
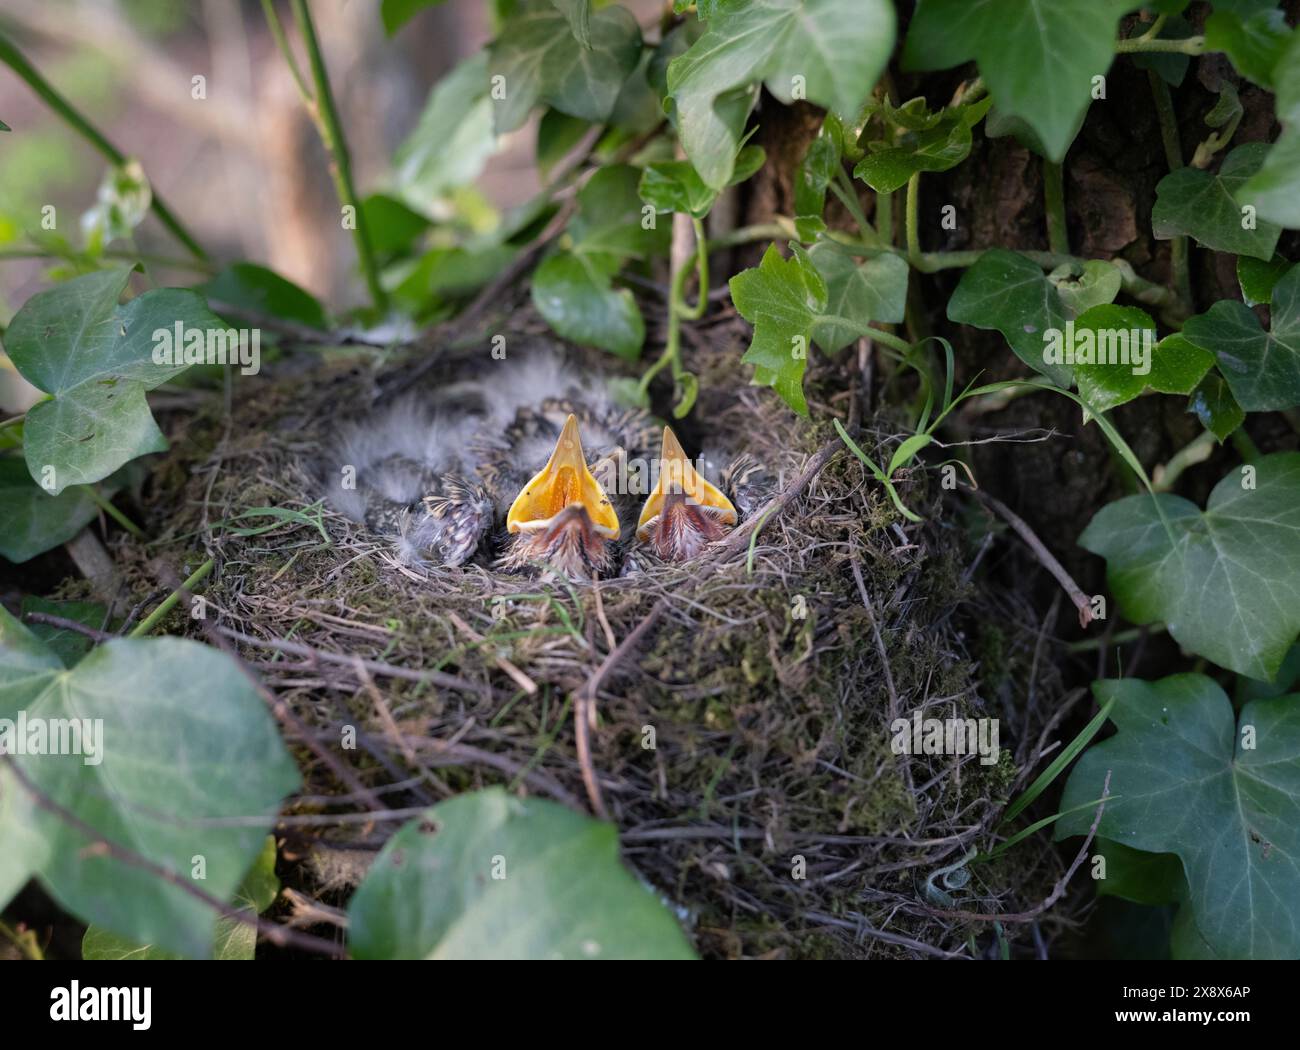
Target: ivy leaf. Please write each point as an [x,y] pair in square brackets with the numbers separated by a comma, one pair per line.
[4,126]
[1178,365]
[1138,876]
[1094,283]
[185,742]
[838,49]
[233,940]
[1221,578]
[1224,798]
[1103,383]
[1038,57]
[489,876]
[1213,404]
[1275,188]
[943,145]
[1194,203]
[578,12]
[452,139]
[782,299]
[609,217]
[1258,278]
[1254,43]
[814,176]
[875,290]
[675,185]
[95,359]
[396,13]
[1262,368]
[1008,293]
[265,292]
[541,61]
[573,293]
[31,520]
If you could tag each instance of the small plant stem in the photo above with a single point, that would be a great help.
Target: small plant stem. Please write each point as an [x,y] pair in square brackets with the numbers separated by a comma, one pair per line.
[1154,30]
[151,621]
[106,505]
[885,217]
[1179,251]
[1058,237]
[913,210]
[1118,638]
[1245,446]
[678,310]
[12,421]
[325,115]
[1192,45]
[25,941]
[15,60]
[1164,477]
[282,43]
[848,195]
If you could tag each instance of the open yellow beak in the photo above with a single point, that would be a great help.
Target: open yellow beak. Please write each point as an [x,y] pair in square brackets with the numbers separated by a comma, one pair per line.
[676,474]
[564,481]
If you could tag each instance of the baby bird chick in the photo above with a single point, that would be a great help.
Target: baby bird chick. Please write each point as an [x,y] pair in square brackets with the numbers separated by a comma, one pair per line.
[685,512]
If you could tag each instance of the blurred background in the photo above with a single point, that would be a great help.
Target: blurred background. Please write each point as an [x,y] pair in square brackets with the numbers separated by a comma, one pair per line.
[243,166]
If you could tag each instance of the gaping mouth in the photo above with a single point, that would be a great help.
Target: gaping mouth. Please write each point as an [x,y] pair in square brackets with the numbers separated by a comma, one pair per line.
[678,478]
[564,483]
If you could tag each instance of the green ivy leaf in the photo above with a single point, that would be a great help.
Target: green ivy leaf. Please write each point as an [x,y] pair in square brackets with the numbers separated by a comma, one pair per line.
[186,740]
[942,145]
[31,520]
[1008,293]
[1188,783]
[573,293]
[1262,368]
[1213,404]
[541,61]
[1275,188]
[1257,278]
[1178,365]
[393,227]
[814,176]
[578,12]
[557,134]
[1038,57]
[452,139]
[1254,43]
[838,47]
[1138,876]
[609,217]
[675,185]
[875,290]
[95,359]
[1095,283]
[1222,580]
[233,940]
[396,13]
[489,876]
[782,299]
[1194,203]
[1105,385]
[265,292]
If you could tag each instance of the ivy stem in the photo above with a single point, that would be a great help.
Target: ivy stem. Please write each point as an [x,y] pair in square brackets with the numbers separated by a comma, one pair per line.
[151,621]
[848,195]
[1179,249]
[325,115]
[14,59]
[106,505]
[885,217]
[1058,236]
[1199,450]
[679,310]
[1192,45]
[913,210]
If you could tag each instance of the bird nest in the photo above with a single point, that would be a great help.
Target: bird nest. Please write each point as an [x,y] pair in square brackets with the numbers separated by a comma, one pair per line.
[731,715]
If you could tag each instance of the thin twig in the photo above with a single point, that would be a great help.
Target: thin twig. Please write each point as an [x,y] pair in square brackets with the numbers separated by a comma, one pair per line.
[62,622]
[1075,593]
